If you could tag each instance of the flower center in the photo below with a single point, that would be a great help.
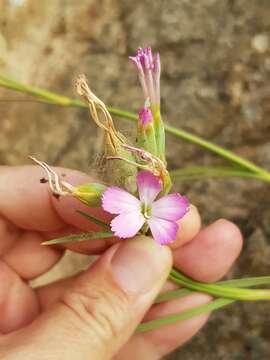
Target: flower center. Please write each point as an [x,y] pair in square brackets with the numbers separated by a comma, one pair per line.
[146,211]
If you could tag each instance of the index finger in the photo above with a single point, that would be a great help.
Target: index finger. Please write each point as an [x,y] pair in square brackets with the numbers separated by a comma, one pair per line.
[28,204]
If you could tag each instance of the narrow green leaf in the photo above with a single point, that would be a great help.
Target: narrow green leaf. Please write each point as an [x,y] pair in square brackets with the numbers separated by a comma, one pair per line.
[80,237]
[93,219]
[184,315]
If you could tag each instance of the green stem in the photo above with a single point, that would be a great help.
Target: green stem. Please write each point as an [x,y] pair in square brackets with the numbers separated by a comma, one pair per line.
[53,98]
[56,99]
[219,290]
[200,172]
[241,283]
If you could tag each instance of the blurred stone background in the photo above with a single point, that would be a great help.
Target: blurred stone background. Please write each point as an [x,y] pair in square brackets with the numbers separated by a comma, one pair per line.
[215,83]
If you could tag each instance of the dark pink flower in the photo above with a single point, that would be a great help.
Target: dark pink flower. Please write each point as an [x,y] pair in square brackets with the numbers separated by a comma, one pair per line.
[148,66]
[132,213]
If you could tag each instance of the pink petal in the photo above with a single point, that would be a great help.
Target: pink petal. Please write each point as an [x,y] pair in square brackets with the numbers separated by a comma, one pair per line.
[170,207]
[127,225]
[117,201]
[149,186]
[163,231]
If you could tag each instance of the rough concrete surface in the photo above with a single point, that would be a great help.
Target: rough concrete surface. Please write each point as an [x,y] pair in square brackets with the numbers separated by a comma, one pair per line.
[215,83]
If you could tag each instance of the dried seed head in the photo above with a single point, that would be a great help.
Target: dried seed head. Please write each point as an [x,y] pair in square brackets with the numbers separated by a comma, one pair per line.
[97,110]
[120,174]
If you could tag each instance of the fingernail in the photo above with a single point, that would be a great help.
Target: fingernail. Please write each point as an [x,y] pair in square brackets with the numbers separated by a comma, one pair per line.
[140,263]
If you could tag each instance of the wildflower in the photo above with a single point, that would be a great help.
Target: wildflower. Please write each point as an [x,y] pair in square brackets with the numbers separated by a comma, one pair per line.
[133,214]
[148,66]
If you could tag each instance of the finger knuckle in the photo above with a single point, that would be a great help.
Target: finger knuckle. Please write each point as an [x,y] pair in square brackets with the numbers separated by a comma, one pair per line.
[99,311]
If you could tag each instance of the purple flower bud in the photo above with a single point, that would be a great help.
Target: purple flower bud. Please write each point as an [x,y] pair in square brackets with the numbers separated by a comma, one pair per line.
[145,116]
[148,66]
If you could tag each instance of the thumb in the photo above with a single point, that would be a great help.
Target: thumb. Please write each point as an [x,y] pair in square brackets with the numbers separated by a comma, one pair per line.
[96,317]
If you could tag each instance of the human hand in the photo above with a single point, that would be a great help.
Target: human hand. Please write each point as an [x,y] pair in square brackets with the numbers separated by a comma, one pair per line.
[93,315]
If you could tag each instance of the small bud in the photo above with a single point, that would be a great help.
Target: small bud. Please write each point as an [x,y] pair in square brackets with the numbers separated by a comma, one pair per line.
[145,132]
[89,194]
[159,132]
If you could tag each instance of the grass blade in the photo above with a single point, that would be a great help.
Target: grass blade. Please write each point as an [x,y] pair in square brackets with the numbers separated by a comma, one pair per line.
[93,219]
[80,237]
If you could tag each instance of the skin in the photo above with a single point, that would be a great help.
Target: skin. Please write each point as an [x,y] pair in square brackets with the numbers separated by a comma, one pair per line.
[93,315]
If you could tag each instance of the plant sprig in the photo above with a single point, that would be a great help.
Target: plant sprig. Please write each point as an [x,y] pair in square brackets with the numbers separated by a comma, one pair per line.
[224,293]
[246,168]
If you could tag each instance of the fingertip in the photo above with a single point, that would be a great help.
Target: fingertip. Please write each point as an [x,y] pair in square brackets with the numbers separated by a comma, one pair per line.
[231,236]
[211,253]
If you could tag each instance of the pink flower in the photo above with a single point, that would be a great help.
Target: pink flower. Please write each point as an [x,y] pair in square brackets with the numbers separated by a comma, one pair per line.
[148,66]
[132,213]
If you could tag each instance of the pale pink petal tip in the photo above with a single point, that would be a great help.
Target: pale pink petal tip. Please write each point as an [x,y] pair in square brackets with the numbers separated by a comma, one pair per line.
[163,231]
[117,201]
[170,207]
[149,186]
[127,225]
